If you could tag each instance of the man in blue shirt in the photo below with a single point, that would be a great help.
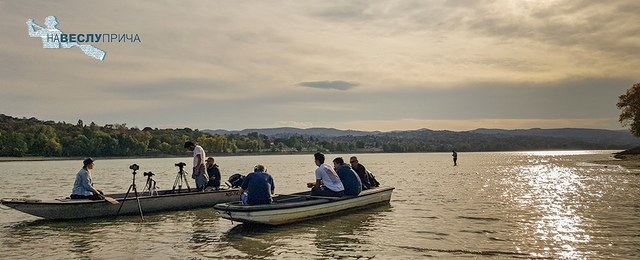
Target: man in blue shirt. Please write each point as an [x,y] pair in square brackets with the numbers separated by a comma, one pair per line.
[259,186]
[350,180]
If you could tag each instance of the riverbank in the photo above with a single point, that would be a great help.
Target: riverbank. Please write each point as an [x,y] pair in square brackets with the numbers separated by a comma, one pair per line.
[628,161]
[42,158]
[35,158]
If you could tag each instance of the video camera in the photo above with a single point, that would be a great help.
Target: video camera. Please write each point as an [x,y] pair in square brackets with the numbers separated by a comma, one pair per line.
[150,174]
[134,167]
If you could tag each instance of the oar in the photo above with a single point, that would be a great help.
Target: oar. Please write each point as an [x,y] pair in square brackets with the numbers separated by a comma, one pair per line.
[111,200]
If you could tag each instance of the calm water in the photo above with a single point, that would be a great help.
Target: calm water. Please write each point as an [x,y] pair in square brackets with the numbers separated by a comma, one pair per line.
[498,205]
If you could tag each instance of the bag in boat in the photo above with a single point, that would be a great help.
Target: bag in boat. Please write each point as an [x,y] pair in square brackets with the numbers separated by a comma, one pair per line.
[370,181]
[235,181]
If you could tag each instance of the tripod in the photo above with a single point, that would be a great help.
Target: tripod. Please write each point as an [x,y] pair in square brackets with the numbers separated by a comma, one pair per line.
[135,191]
[151,184]
[180,178]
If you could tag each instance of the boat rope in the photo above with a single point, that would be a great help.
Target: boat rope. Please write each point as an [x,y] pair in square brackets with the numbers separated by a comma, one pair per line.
[230,218]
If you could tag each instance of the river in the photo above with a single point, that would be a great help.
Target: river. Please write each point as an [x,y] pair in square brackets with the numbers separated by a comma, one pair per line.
[498,205]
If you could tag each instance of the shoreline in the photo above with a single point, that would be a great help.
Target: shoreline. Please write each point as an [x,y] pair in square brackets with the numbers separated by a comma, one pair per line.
[627,161]
[42,158]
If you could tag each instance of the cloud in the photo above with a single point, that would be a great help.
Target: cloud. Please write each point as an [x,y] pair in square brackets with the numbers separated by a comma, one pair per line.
[598,26]
[436,60]
[338,84]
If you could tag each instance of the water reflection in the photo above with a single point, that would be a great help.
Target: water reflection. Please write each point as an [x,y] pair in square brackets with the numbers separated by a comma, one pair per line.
[551,196]
[75,239]
[501,205]
[335,236]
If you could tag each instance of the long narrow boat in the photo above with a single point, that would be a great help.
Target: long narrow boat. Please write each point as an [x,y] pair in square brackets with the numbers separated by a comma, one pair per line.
[163,200]
[300,206]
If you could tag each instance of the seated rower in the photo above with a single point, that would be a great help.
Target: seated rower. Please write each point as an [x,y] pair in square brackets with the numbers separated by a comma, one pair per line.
[83,186]
[259,186]
[214,173]
[327,181]
[350,180]
[367,178]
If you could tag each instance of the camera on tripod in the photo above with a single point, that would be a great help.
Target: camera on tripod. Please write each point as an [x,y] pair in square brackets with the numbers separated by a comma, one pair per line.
[180,164]
[150,174]
[180,178]
[134,167]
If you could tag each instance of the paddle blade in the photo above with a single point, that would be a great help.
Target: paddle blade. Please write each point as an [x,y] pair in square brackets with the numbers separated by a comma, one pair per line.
[111,200]
[92,51]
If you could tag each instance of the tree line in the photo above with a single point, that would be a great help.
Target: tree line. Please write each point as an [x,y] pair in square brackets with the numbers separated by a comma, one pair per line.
[33,137]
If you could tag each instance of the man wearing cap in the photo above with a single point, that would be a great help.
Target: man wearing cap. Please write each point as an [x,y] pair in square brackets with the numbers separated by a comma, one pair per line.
[83,186]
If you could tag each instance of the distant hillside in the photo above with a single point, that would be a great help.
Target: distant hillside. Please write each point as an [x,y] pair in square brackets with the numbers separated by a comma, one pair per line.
[475,140]
[612,137]
[291,131]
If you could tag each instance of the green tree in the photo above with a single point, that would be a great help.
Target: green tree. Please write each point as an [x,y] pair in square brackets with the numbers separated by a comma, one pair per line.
[12,144]
[629,103]
[44,141]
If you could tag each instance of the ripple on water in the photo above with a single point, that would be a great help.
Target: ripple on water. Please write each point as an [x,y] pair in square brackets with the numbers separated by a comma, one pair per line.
[500,205]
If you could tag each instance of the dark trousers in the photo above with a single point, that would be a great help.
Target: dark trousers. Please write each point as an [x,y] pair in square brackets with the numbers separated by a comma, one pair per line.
[94,196]
[325,192]
[89,197]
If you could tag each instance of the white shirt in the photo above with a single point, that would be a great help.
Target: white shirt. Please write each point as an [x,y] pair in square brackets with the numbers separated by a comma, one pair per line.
[196,151]
[329,178]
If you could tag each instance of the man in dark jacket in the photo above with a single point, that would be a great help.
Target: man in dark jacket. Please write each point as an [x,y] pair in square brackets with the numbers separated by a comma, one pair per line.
[350,180]
[214,174]
[367,183]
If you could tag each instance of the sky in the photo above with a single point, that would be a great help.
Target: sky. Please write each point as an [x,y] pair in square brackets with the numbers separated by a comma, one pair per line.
[361,65]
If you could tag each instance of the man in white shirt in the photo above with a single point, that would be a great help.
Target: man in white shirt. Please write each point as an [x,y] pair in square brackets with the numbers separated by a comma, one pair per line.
[327,181]
[199,169]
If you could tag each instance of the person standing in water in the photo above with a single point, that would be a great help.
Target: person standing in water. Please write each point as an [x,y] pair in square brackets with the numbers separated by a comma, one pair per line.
[455,158]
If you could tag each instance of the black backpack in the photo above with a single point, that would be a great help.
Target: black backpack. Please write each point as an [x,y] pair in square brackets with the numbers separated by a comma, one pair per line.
[235,181]
[371,181]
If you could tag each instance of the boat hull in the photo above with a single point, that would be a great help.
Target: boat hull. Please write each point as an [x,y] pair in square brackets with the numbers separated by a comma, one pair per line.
[78,209]
[310,207]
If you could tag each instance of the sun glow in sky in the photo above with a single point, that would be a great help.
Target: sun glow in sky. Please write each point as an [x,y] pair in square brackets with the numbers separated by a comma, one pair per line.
[366,65]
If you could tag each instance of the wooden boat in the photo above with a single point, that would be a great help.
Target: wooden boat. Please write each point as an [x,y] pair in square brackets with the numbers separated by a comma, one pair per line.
[300,206]
[163,200]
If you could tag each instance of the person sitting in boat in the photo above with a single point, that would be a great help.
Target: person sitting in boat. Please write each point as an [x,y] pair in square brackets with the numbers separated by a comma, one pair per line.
[259,186]
[214,174]
[367,178]
[327,181]
[83,186]
[350,180]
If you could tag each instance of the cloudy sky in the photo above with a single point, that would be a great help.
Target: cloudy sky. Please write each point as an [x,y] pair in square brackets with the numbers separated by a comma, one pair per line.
[365,65]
